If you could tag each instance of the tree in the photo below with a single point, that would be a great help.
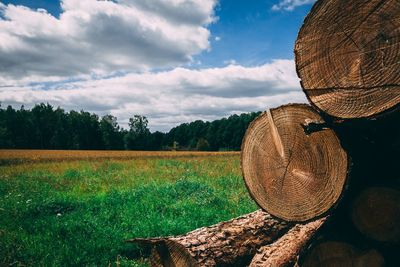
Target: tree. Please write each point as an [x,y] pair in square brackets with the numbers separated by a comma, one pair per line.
[138,125]
[5,135]
[60,139]
[46,127]
[110,131]
[138,135]
[85,130]
[202,145]
[156,141]
[44,124]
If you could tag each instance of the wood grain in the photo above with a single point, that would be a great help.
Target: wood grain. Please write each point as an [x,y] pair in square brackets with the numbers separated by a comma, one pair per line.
[348,57]
[293,175]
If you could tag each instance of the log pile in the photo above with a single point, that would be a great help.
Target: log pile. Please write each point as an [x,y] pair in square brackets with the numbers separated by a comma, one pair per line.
[325,175]
[226,243]
[255,237]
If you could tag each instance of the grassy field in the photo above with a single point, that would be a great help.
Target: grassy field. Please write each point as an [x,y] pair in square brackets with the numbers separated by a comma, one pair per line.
[70,209]
[15,156]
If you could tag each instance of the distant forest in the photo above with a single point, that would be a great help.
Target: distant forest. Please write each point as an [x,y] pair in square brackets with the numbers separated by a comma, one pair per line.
[46,127]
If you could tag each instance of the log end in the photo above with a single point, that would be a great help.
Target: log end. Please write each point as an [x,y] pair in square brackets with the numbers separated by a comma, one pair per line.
[376,214]
[333,253]
[166,252]
[293,174]
[170,253]
[347,57]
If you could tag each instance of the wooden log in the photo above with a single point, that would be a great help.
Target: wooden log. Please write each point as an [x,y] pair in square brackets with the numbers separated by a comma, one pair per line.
[341,254]
[226,243]
[376,214]
[347,57]
[290,172]
[285,250]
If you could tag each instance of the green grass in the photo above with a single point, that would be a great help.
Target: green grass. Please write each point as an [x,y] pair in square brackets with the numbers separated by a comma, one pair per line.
[80,212]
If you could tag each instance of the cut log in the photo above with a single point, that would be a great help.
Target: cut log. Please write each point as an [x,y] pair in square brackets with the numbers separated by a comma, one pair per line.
[293,175]
[285,251]
[330,254]
[226,243]
[347,57]
[376,214]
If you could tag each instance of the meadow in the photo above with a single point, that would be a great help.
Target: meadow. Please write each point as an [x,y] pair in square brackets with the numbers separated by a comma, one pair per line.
[76,208]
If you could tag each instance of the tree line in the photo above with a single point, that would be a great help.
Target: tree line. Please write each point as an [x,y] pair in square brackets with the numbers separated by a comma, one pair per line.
[46,127]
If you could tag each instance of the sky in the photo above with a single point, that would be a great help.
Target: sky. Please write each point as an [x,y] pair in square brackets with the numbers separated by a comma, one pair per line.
[173,61]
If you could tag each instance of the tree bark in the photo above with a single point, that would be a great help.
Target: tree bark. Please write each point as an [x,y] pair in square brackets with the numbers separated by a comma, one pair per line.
[347,57]
[376,214]
[285,251]
[227,243]
[341,254]
[293,166]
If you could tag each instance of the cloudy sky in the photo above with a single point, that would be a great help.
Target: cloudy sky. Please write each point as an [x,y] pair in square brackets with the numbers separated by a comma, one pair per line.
[173,61]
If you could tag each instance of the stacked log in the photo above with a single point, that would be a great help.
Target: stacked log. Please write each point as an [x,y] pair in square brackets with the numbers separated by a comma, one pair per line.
[296,158]
[286,250]
[376,214]
[257,239]
[225,244]
[293,174]
[347,57]
[341,254]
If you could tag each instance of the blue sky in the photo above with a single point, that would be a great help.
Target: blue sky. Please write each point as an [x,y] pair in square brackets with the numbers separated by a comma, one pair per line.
[252,33]
[173,61]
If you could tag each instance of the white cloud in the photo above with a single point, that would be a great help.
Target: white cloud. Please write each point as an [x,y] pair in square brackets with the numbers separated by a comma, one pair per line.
[290,5]
[195,12]
[142,46]
[101,37]
[171,97]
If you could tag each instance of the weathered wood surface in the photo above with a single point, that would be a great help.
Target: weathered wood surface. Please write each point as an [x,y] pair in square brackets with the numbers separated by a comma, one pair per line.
[293,175]
[347,57]
[285,251]
[376,214]
[227,243]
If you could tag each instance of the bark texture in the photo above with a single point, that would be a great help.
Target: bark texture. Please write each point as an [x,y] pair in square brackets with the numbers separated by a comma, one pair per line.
[285,251]
[293,166]
[347,57]
[226,243]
